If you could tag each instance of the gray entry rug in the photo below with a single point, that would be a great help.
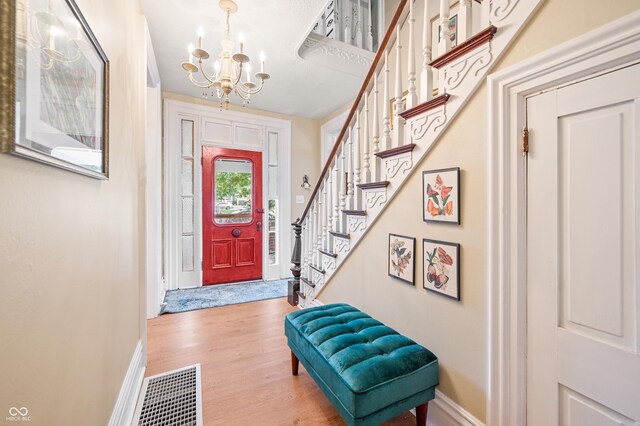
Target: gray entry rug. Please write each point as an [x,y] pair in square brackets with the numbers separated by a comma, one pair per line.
[221,295]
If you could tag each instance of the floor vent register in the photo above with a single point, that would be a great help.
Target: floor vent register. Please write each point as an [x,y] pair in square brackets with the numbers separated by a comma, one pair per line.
[173,398]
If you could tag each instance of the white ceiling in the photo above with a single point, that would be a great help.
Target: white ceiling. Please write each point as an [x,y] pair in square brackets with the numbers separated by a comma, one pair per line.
[296,87]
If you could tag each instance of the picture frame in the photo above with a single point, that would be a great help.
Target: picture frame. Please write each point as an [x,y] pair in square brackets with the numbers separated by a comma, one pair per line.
[441,195]
[54,107]
[402,258]
[441,267]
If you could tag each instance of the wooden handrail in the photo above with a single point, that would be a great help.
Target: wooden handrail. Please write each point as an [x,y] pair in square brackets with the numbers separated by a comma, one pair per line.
[356,103]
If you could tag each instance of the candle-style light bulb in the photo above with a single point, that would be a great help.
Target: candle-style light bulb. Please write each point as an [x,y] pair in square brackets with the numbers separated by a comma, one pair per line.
[200,37]
[53,32]
[262,58]
[241,40]
[248,73]
[190,48]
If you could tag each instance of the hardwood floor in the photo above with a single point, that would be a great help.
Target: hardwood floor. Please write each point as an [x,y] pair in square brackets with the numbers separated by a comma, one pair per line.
[246,366]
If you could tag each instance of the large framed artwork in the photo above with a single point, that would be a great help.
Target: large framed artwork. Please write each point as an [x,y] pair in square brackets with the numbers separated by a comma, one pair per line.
[441,267]
[441,195]
[402,254]
[54,90]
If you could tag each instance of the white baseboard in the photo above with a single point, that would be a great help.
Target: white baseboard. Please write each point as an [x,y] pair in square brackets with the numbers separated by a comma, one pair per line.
[444,412]
[123,410]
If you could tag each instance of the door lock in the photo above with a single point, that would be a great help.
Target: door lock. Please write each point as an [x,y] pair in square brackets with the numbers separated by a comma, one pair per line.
[259,210]
[258,225]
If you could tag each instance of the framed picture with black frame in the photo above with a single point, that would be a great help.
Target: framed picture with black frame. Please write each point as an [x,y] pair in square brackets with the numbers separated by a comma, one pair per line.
[402,256]
[441,195]
[441,267]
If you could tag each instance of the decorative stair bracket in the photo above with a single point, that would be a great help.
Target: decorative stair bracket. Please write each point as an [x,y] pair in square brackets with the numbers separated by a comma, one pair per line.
[398,122]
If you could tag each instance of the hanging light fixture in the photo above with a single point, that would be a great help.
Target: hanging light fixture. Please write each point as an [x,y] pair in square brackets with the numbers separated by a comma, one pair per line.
[227,69]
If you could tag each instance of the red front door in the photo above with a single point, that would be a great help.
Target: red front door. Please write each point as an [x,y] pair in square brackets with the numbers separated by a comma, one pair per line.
[231,215]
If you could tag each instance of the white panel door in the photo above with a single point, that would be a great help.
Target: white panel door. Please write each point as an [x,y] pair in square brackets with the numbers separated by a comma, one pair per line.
[583,253]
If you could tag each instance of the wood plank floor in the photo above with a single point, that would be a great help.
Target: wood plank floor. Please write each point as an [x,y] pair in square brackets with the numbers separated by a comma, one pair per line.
[246,365]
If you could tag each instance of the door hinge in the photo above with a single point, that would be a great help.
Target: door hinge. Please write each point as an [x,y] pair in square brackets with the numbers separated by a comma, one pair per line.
[525,141]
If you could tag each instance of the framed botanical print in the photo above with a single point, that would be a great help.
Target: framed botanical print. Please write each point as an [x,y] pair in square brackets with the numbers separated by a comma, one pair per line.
[55,95]
[441,267]
[402,258]
[441,195]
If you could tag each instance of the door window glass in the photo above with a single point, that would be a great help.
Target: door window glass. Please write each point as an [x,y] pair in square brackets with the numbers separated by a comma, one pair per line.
[233,191]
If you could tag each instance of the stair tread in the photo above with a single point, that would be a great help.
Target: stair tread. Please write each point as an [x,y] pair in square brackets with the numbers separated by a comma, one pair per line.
[328,253]
[425,106]
[307,282]
[374,185]
[396,151]
[317,268]
[355,212]
[340,235]
[477,40]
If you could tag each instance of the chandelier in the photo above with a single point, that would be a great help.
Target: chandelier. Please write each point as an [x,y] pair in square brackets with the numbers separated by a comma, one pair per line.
[227,69]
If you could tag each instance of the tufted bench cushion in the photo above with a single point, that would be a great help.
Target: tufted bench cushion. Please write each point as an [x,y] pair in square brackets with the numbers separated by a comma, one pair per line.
[368,371]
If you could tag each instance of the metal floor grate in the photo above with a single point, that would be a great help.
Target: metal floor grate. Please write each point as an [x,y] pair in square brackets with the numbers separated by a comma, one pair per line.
[173,398]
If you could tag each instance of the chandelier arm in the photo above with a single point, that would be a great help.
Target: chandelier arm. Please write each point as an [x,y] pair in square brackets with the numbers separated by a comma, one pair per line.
[201,84]
[241,94]
[251,91]
[238,70]
[210,78]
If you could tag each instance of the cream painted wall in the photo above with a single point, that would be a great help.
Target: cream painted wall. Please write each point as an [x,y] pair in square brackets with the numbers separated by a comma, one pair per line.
[455,331]
[305,146]
[71,254]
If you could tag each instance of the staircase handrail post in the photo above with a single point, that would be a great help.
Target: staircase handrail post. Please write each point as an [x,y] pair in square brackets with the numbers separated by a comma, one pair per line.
[294,284]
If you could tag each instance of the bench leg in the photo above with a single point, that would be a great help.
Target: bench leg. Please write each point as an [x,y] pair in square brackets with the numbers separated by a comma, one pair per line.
[421,414]
[294,364]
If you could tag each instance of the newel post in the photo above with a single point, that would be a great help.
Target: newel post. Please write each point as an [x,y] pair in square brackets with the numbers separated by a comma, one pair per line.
[294,284]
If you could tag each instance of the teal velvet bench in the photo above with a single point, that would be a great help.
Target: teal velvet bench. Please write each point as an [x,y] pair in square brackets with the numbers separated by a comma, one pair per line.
[368,371]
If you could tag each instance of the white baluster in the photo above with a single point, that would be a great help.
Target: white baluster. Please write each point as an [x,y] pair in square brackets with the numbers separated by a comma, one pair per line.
[356,165]
[343,187]
[337,21]
[314,233]
[465,21]
[319,230]
[329,204]
[336,193]
[485,8]
[370,31]
[360,29]
[304,248]
[350,171]
[398,122]
[426,77]
[386,120]
[347,22]
[309,244]
[366,167]
[444,45]
[324,211]
[412,95]
[376,131]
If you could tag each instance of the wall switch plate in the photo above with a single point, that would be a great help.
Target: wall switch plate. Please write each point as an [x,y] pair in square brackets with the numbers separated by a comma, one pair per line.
[299,199]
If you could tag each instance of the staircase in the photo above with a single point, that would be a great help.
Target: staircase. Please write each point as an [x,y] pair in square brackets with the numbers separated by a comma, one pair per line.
[397,117]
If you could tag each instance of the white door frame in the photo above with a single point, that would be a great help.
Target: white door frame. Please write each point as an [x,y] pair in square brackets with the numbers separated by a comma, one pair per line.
[327,132]
[612,46]
[199,113]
